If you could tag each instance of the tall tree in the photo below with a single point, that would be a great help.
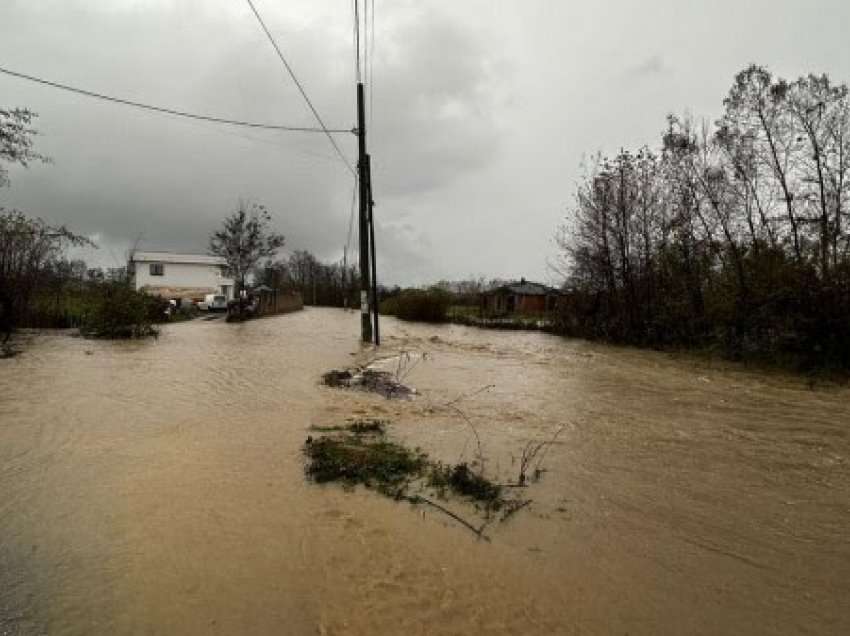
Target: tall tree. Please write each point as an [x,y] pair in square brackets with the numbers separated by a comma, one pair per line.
[246,238]
[758,122]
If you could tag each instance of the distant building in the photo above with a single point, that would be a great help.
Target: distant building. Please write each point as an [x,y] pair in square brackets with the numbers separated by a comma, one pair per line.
[172,275]
[521,297]
[116,274]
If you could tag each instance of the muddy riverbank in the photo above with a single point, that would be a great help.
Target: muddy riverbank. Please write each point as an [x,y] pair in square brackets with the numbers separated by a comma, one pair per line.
[158,487]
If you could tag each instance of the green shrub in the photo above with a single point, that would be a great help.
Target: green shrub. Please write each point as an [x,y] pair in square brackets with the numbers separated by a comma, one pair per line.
[463,481]
[117,311]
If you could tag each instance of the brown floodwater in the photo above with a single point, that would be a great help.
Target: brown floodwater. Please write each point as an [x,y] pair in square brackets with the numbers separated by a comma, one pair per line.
[157,488]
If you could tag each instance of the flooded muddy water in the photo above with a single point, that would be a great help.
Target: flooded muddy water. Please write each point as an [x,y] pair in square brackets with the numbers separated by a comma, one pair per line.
[158,488]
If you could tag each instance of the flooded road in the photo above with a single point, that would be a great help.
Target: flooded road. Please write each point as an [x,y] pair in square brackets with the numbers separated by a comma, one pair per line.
[157,488]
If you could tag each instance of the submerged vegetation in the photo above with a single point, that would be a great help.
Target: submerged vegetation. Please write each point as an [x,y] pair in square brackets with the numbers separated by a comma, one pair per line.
[359,427]
[359,453]
[356,459]
[461,480]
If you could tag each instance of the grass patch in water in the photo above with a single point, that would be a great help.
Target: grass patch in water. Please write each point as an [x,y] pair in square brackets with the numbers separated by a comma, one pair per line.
[351,459]
[361,427]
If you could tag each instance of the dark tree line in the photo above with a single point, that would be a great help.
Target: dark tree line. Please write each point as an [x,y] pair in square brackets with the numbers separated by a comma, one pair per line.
[733,234]
[327,284]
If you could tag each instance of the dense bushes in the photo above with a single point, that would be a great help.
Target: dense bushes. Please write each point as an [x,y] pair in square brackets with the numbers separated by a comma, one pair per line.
[426,305]
[115,310]
[790,318]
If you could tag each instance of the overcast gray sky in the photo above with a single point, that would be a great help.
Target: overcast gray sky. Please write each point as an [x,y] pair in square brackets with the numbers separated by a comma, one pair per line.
[483,112]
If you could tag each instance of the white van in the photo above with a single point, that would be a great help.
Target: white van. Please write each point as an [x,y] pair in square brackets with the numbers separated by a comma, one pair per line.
[213,302]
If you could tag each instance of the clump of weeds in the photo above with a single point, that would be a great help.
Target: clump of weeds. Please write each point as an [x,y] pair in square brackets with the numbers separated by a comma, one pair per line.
[353,459]
[461,480]
[358,427]
[361,427]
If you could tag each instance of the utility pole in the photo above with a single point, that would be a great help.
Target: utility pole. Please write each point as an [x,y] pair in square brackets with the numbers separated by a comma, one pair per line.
[363,171]
[377,331]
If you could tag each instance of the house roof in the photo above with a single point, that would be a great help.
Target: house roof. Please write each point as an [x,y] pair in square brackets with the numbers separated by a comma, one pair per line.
[525,288]
[174,257]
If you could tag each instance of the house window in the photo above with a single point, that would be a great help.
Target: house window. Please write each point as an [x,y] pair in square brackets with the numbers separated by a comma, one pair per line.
[157,269]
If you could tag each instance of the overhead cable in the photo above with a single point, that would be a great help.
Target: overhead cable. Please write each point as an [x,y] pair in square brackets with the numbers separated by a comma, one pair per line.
[169,111]
[301,88]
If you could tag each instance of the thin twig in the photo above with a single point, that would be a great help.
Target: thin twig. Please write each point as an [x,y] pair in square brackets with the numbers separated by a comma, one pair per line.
[463,450]
[551,442]
[470,395]
[474,432]
[417,499]
[527,456]
[514,509]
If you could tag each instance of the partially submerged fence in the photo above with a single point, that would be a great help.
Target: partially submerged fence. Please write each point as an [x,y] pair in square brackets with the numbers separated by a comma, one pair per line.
[265,302]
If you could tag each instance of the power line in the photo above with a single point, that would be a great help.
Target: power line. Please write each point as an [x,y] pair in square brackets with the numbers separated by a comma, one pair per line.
[301,88]
[269,142]
[166,110]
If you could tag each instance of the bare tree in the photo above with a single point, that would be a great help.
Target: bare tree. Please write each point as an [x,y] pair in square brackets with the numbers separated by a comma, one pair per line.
[29,251]
[245,239]
[757,114]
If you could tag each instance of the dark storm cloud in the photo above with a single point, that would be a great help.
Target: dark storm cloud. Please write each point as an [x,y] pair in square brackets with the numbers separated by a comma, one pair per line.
[123,174]
[482,113]
[438,94]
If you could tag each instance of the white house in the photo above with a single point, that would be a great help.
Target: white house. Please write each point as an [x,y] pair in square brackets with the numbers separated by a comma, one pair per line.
[172,275]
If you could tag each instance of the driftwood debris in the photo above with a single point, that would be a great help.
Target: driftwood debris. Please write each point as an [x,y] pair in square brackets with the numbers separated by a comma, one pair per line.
[365,379]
